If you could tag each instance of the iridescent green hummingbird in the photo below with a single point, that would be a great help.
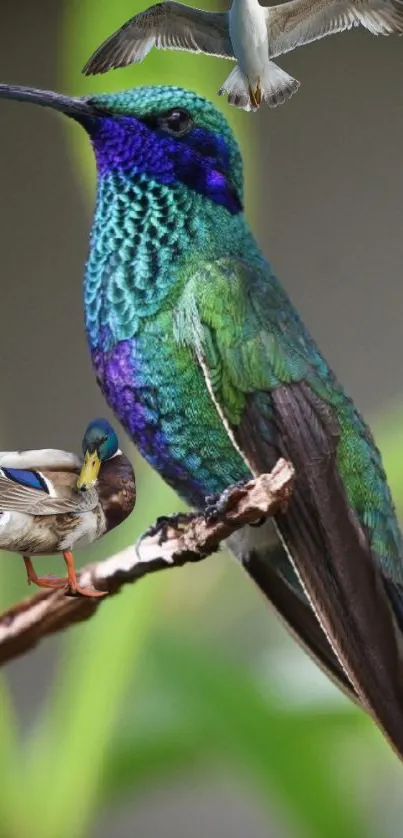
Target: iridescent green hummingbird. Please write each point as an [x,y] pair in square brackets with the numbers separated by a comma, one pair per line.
[203,358]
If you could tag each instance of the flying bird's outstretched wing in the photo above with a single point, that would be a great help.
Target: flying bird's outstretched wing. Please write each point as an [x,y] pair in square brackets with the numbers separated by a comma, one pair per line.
[277,397]
[167,25]
[300,22]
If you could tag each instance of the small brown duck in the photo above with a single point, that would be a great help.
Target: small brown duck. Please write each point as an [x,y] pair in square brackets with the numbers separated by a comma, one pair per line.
[51,502]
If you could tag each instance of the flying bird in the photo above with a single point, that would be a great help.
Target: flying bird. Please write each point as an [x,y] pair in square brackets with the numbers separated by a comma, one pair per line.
[203,358]
[250,34]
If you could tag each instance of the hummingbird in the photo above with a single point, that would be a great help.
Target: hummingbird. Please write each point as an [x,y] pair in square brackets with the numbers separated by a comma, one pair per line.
[250,34]
[201,355]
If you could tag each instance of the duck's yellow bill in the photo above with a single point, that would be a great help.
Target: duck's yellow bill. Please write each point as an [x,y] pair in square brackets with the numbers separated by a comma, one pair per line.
[90,470]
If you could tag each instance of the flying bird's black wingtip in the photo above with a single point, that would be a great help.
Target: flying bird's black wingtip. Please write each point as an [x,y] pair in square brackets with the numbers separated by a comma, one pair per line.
[86,70]
[113,54]
[118,50]
[96,64]
[108,56]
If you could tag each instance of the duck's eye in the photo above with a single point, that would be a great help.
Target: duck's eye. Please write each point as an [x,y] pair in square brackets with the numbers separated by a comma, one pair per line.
[176,121]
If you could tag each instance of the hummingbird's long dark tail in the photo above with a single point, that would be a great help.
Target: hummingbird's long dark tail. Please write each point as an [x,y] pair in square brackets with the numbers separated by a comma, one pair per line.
[268,566]
[341,576]
[358,608]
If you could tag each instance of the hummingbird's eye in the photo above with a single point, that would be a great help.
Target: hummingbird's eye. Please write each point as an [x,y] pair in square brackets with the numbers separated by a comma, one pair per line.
[175,121]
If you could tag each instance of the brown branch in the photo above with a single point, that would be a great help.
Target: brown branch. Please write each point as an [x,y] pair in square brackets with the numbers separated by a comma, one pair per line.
[189,539]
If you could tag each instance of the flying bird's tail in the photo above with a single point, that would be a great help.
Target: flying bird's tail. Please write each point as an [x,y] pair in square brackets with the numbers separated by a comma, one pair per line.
[275,88]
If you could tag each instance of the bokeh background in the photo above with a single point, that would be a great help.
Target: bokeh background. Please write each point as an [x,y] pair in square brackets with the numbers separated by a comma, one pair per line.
[184,709]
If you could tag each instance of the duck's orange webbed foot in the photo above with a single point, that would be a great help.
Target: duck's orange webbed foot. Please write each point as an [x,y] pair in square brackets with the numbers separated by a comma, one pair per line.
[72,585]
[55,582]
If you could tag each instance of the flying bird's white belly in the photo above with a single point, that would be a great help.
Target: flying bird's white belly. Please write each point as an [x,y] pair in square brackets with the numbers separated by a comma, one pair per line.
[248,33]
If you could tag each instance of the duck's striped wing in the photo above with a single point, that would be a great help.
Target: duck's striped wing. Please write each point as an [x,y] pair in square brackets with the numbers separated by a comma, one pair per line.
[166,25]
[300,22]
[29,491]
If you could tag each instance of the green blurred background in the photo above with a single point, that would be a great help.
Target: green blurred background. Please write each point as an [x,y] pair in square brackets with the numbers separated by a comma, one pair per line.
[184,709]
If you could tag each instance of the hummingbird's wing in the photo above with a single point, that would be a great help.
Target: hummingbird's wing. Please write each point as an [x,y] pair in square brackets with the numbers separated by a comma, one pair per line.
[167,25]
[277,397]
[300,22]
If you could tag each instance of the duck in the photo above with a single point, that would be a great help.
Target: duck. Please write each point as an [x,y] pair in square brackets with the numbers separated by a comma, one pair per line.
[248,33]
[52,501]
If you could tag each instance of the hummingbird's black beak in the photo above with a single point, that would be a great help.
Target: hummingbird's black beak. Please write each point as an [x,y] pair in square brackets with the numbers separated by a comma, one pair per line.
[76,108]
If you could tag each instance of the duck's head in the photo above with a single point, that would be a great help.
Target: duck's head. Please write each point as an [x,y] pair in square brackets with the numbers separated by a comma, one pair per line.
[100,444]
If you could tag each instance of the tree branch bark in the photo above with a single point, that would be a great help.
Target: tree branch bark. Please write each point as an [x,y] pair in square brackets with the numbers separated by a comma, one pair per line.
[174,543]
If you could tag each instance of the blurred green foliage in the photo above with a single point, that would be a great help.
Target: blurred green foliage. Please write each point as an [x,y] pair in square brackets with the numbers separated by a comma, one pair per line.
[388,430]
[185,670]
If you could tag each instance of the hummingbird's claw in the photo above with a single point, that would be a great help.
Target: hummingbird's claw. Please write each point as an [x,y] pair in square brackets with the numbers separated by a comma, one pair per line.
[216,505]
[164,523]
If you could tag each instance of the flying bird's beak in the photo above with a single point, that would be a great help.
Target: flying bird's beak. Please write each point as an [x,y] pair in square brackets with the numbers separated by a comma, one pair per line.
[89,473]
[78,109]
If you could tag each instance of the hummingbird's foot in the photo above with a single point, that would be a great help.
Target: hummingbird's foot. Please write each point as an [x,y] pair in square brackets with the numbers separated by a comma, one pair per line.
[165,523]
[216,505]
